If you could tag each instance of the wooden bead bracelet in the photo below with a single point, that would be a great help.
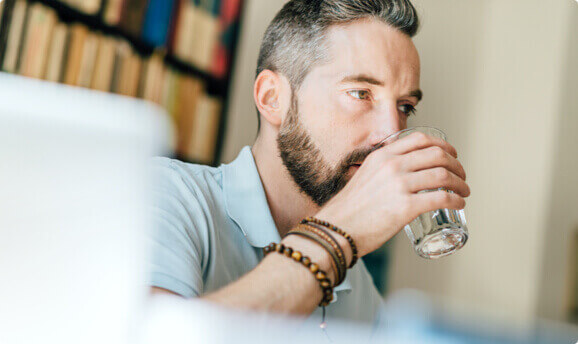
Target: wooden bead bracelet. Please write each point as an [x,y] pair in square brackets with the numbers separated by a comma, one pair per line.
[328,242]
[319,274]
[338,230]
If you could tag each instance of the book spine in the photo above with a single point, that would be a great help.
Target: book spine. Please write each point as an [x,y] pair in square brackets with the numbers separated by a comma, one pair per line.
[184,37]
[88,61]
[36,43]
[112,12]
[132,16]
[153,79]
[133,73]
[90,7]
[78,34]
[6,10]
[189,93]
[56,53]
[229,25]
[15,41]
[157,22]
[103,69]
[205,130]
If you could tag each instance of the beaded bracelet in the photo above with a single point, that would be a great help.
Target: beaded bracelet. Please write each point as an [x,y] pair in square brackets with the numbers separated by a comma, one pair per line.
[338,268]
[324,233]
[319,274]
[328,242]
[338,230]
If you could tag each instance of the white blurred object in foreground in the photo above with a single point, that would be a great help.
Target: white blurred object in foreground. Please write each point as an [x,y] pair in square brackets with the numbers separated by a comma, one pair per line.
[409,316]
[73,191]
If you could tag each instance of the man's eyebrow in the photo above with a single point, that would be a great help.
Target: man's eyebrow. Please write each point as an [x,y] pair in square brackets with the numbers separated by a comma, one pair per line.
[417,93]
[362,78]
[371,80]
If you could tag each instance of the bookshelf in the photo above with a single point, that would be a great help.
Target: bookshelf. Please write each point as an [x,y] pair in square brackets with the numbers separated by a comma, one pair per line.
[214,87]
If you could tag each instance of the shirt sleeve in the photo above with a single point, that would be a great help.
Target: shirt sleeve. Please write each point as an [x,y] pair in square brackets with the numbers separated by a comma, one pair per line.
[178,240]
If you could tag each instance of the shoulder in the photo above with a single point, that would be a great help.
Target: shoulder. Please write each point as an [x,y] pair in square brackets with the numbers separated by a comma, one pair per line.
[167,169]
[191,192]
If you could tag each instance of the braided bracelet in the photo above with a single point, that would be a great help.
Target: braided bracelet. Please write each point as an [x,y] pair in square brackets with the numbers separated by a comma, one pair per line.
[336,266]
[323,238]
[338,230]
[319,274]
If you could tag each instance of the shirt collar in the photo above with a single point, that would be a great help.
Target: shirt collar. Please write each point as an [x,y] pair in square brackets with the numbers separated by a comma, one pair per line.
[247,205]
[246,201]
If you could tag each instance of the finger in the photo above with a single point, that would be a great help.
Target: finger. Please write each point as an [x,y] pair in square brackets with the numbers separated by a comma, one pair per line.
[434,178]
[430,201]
[417,141]
[432,157]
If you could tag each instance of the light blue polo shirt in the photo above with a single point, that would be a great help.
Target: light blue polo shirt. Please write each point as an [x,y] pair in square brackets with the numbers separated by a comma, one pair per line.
[210,226]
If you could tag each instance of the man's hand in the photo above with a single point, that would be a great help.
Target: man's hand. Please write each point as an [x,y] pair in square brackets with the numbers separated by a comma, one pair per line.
[382,197]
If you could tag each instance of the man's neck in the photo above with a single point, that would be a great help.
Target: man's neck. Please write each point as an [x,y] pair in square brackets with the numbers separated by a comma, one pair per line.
[287,204]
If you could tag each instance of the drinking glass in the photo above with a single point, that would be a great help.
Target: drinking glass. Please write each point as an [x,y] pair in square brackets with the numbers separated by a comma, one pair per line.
[438,233]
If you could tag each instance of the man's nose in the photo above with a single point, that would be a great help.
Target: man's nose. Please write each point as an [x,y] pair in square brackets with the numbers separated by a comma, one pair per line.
[387,121]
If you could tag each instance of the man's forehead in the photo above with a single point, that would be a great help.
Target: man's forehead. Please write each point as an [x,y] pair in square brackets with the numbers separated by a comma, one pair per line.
[368,47]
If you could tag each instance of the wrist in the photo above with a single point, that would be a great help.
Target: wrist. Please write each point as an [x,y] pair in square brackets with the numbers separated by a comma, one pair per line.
[316,253]
[342,221]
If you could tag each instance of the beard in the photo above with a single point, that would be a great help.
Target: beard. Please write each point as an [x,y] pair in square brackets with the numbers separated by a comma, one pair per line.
[305,163]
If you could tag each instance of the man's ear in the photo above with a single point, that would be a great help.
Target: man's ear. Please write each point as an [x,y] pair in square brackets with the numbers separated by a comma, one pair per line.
[267,91]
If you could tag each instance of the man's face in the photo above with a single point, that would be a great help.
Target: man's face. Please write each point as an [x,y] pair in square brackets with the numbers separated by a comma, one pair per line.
[346,107]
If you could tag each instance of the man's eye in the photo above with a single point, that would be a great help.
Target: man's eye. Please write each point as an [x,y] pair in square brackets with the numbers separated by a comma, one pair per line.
[359,94]
[407,109]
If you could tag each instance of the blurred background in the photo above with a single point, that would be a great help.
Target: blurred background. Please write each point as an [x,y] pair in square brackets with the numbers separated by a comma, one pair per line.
[499,76]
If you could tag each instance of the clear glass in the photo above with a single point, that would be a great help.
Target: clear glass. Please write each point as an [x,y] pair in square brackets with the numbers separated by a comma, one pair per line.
[438,233]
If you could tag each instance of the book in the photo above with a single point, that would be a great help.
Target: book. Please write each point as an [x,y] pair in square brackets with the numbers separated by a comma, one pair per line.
[88,60]
[1,12]
[128,73]
[78,34]
[14,41]
[104,64]
[133,74]
[132,16]
[157,22]
[90,7]
[119,50]
[206,34]
[35,46]
[122,49]
[175,20]
[56,53]
[168,99]
[202,145]
[170,92]
[188,94]
[4,27]
[112,12]
[153,79]
[185,32]
[228,29]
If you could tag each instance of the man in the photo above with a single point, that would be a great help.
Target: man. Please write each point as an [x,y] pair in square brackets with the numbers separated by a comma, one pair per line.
[334,78]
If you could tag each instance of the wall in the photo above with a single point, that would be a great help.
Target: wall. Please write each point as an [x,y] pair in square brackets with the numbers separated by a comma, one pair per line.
[504,123]
[562,223]
[242,115]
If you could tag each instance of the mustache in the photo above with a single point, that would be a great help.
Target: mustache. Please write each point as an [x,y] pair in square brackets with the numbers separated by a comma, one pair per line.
[357,156]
